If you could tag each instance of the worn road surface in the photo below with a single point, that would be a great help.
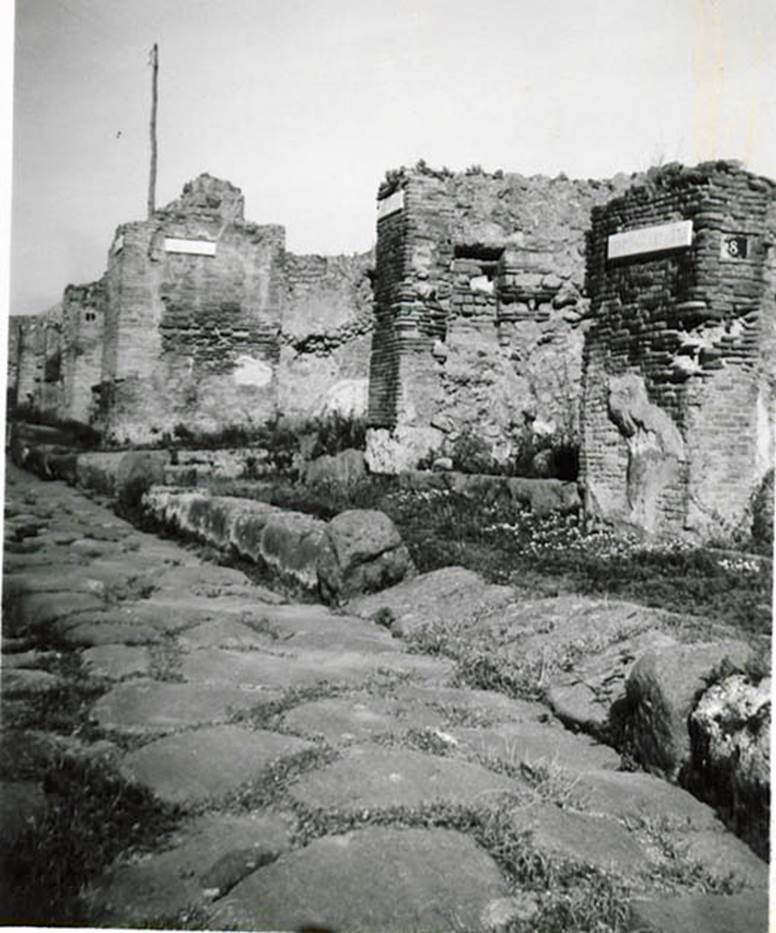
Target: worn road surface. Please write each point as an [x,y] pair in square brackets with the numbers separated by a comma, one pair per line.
[322,776]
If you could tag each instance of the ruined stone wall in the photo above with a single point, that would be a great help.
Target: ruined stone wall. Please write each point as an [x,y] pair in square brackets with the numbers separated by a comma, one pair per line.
[38,361]
[480,310]
[325,332]
[193,315]
[12,371]
[679,362]
[83,321]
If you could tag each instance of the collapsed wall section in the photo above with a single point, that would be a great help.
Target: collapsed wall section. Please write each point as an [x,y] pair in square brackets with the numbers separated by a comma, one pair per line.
[479,310]
[325,333]
[680,360]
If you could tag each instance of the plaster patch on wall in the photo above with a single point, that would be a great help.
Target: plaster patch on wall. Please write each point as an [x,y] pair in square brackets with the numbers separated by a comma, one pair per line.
[191,247]
[650,239]
[394,202]
[252,372]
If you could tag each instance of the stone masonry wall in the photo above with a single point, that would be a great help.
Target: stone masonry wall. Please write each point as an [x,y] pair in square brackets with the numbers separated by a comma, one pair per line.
[480,310]
[326,329]
[83,322]
[202,320]
[192,338]
[37,344]
[680,361]
[15,324]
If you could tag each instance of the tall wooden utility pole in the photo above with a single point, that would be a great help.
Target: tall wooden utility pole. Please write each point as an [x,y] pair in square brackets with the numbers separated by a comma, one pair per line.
[154,98]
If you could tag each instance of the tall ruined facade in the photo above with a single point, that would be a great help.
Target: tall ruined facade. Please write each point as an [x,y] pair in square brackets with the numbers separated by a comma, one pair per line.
[202,320]
[480,310]
[192,319]
[680,359]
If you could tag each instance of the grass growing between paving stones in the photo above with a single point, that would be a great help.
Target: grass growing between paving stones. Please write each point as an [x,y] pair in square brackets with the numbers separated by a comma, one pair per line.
[550,555]
[92,816]
[572,898]
[479,663]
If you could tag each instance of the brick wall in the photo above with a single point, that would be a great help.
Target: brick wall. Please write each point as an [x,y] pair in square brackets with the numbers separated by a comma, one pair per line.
[479,304]
[679,361]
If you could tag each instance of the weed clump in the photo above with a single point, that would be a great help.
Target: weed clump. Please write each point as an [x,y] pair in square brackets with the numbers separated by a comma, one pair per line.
[93,815]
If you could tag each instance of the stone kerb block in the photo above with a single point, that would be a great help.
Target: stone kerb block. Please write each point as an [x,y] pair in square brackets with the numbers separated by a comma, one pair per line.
[364,552]
[344,467]
[98,471]
[662,690]
[358,551]
[543,496]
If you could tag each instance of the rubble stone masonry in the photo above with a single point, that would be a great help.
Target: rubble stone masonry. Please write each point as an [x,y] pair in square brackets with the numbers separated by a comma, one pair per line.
[83,324]
[193,314]
[680,359]
[480,309]
[202,319]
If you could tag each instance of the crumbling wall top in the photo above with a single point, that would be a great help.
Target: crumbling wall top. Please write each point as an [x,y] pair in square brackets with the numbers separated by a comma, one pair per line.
[210,197]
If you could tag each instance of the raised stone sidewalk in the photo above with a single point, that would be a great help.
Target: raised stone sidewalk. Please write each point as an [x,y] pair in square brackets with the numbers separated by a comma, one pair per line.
[322,775]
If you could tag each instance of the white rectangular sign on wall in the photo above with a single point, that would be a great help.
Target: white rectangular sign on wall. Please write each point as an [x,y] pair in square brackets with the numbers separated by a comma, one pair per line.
[650,239]
[192,247]
[394,202]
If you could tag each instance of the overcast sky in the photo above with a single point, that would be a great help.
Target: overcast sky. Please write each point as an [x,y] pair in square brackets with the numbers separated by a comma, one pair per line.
[305,103]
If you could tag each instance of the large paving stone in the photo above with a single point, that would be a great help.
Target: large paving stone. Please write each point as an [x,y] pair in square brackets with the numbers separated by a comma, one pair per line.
[451,597]
[50,580]
[304,626]
[224,633]
[375,778]
[90,548]
[552,624]
[723,855]
[149,706]
[26,659]
[377,880]
[287,668]
[204,764]
[137,891]
[116,661]
[357,718]
[637,796]
[108,632]
[24,680]
[701,913]
[579,837]
[536,744]
[37,610]
[210,580]
[461,705]
[165,614]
